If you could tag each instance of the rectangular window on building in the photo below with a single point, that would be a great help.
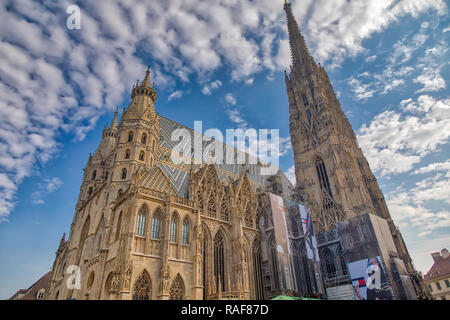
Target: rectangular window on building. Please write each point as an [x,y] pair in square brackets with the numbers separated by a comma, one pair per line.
[438,285]
[447,283]
[430,288]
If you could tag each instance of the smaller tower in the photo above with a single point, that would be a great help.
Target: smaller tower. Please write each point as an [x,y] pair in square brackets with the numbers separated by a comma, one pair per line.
[138,132]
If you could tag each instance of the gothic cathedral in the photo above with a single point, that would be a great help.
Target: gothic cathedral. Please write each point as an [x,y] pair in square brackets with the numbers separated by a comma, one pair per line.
[146,227]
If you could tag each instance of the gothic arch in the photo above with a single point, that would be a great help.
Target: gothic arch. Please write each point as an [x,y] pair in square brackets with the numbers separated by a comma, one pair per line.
[177,289]
[258,287]
[142,221]
[329,263]
[107,287]
[174,223]
[186,230]
[156,223]
[219,260]
[83,235]
[142,289]
[90,280]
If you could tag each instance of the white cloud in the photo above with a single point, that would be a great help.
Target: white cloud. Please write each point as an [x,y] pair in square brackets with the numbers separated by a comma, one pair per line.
[236,117]
[209,88]
[56,80]
[290,174]
[437,166]
[431,80]
[230,99]
[49,186]
[394,142]
[175,95]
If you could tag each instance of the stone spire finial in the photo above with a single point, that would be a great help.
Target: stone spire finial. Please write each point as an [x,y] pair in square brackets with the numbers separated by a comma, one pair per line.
[146,82]
[299,51]
[114,121]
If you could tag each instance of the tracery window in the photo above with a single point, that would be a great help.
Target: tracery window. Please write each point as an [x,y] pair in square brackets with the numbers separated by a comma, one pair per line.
[155,226]
[185,233]
[323,176]
[212,205]
[200,198]
[177,289]
[173,229]
[142,287]
[219,263]
[249,217]
[130,136]
[141,222]
[224,208]
[142,156]
[144,138]
[330,266]
[127,154]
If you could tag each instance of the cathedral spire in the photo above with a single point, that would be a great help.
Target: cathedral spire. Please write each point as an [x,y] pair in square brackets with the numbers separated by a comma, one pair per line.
[114,121]
[300,54]
[146,82]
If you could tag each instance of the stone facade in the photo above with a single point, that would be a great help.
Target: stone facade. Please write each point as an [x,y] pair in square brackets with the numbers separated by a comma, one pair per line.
[148,228]
[333,176]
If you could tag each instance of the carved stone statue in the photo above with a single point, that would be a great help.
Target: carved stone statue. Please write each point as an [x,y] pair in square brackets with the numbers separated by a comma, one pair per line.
[114,283]
[164,279]
[127,278]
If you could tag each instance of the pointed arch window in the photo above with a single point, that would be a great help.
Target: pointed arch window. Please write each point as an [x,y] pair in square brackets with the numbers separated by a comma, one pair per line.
[305,100]
[177,289]
[155,226]
[173,229]
[142,156]
[249,217]
[185,233]
[130,136]
[212,205]
[119,226]
[257,270]
[141,222]
[94,174]
[124,174]
[330,263]
[224,208]
[142,287]
[127,154]
[144,138]
[219,263]
[323,176]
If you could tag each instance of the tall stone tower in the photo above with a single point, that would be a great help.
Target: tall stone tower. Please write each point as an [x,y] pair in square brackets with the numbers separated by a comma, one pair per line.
[332,174]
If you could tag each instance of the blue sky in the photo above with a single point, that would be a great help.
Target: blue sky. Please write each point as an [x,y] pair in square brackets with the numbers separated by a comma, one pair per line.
[221,62]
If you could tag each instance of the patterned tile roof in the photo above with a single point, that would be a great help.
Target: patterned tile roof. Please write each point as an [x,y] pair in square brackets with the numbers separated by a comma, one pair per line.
[179,174]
